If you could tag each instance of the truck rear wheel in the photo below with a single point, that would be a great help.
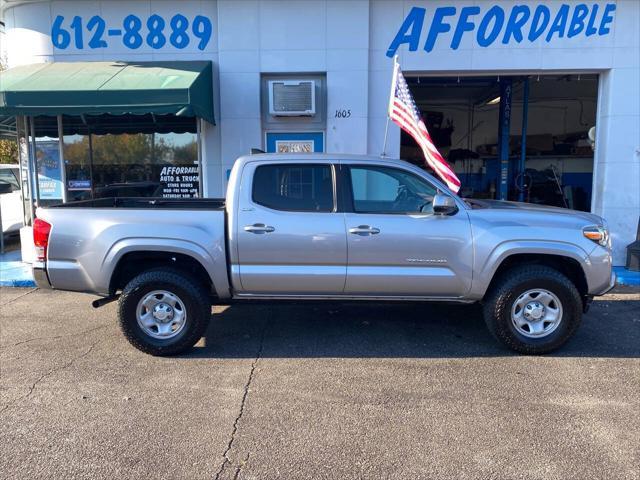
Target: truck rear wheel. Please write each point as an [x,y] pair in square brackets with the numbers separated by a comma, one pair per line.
[163,312]
[533,309]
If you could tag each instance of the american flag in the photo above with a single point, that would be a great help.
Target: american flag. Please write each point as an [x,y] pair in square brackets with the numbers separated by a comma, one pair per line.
[404,112]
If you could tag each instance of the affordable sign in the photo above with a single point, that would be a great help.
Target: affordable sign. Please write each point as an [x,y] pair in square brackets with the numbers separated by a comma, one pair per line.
[517,24]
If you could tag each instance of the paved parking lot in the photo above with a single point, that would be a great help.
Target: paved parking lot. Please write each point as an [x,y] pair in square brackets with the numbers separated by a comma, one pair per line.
[359,391]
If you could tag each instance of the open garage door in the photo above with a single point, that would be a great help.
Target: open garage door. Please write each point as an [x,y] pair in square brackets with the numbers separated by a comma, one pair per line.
[479,123]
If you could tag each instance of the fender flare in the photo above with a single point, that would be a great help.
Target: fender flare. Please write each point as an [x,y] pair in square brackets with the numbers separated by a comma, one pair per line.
[485,273]
[168,245]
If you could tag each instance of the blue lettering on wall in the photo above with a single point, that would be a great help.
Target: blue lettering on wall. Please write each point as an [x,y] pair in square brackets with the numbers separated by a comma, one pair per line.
[591,30]
[409,32]
[519,16]
[607,18]
[559,23]
[464,25]
[539,23]
[513,24]
[494,19]
[577,20]
[438,26]
[134,32]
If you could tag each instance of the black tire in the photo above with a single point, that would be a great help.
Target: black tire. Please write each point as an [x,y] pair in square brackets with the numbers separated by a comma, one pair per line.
[192,294]
[513,283]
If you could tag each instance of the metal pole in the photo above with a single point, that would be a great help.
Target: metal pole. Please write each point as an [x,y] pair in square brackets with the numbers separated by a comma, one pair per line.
[91,162]
[523,143]
[199,159]
[63,168]
[384,145]
[506,89]
[34,166]
[25,182]
[394,76]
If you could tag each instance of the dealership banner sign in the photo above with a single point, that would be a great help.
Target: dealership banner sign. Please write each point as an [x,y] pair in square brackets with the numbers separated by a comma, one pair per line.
[49,169]
[504,24]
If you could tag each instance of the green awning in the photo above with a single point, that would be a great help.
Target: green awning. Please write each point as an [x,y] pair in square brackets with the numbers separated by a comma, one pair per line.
[111,88]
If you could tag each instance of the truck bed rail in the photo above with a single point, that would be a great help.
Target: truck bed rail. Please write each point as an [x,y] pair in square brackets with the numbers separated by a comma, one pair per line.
[147,202]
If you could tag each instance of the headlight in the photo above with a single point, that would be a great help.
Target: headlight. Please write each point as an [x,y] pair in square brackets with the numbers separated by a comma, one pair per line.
[597,233]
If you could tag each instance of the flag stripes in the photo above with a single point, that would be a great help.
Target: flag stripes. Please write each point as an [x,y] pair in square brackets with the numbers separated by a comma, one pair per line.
[404,113]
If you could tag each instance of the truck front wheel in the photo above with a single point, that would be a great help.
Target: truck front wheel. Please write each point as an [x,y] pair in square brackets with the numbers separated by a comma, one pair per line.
[164,312]
[533,309]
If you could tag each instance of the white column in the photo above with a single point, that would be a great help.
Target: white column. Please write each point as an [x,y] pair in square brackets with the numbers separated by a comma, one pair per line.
[616,189]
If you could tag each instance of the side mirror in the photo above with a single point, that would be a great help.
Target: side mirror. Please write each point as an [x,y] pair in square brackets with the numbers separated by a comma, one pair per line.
[444,204]
[6,188]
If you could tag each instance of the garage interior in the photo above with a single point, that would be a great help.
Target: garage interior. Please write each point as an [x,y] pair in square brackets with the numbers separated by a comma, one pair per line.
[480,133]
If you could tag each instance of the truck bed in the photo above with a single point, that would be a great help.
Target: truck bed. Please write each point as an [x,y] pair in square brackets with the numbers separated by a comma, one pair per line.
[89,238]
[148,202]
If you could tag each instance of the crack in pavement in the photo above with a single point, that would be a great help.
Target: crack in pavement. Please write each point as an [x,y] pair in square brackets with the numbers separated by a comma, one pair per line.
[236,475]
[51,372]
[84,332]
[227,459]
[18,297]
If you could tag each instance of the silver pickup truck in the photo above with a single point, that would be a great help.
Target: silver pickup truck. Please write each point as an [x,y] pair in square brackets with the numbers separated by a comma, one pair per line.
[326,227]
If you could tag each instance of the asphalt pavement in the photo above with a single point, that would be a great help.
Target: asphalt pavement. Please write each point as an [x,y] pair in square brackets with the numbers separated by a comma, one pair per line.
[330,391]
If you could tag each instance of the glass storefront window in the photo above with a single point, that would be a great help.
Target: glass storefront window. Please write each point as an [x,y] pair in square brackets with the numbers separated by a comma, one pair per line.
[122,165]
[77,161]
[177,165]
[130,164]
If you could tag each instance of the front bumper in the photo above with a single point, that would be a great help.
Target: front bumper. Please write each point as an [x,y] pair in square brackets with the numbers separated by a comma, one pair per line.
[612,283]
[599,272]
[40,276]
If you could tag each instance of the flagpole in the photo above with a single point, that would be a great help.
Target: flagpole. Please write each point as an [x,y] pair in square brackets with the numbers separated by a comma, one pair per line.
[393,86]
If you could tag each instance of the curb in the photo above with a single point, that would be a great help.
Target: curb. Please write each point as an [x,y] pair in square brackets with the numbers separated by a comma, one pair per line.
[17,283]
[626,277]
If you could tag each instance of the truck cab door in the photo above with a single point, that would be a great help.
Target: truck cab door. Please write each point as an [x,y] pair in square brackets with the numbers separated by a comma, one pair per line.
[396,245]
[290,238]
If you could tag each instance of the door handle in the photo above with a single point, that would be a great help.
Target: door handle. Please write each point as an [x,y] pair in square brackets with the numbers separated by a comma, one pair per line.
[259,228]
[364,230]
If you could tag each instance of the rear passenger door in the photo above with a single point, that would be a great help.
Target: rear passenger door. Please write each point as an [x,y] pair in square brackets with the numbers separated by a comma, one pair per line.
[291,240]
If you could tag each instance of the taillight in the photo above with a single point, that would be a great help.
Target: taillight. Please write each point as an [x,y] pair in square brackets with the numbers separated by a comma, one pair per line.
[41,230]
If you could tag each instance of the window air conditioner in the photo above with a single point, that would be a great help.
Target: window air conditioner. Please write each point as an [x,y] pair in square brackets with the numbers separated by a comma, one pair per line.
[292,98]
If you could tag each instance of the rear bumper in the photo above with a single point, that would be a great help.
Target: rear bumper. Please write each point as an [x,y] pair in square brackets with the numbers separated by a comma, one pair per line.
[40,275]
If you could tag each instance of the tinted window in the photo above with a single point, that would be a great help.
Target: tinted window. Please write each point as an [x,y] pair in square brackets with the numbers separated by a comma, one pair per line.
[390,190]
[301,188]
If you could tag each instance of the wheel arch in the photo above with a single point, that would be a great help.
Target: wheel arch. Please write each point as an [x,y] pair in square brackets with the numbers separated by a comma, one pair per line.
[567,265]
[133,262]
[564,258]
